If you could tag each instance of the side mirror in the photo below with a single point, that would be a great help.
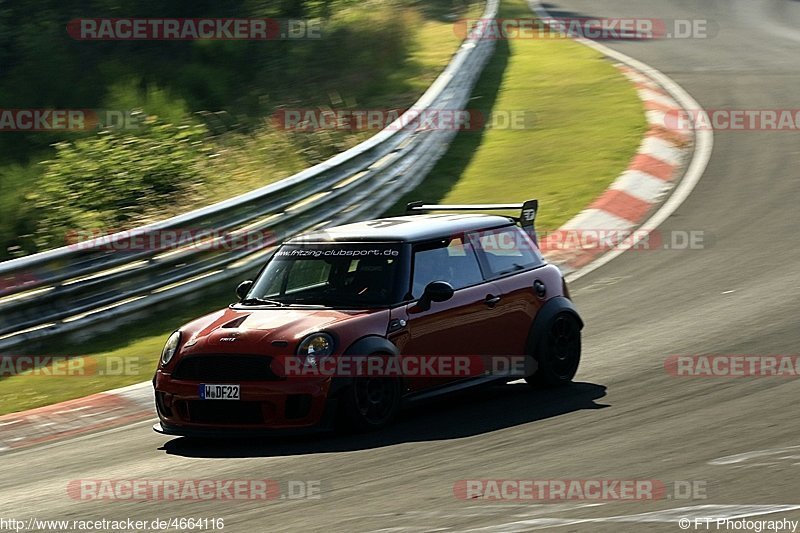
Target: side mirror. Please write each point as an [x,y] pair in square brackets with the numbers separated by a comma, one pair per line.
[243,288]
[435,291]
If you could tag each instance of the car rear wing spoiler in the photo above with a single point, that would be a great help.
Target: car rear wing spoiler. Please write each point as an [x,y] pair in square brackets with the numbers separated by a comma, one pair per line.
[526,219]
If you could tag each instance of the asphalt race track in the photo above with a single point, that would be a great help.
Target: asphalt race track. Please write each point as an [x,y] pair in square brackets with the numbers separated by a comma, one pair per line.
[625,418]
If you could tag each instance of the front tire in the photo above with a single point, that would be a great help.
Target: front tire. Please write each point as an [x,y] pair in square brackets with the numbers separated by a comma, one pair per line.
[370,403]
[558,352]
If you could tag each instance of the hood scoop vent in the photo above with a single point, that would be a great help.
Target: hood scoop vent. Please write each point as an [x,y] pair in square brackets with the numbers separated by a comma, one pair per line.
[233,324]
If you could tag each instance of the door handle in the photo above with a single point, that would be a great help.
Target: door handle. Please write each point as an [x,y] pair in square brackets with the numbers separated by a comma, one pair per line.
[491,300]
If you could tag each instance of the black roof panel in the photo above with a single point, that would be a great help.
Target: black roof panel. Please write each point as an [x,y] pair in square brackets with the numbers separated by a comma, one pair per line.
[410,228]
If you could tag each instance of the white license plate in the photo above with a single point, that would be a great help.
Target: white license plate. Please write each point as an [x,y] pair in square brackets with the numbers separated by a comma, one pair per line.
[219,392]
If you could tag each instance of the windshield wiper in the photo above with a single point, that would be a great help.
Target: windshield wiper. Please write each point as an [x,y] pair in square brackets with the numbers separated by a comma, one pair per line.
[261,301]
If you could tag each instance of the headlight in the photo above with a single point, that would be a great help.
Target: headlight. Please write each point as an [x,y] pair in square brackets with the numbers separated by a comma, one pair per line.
[170,348]
[316,346]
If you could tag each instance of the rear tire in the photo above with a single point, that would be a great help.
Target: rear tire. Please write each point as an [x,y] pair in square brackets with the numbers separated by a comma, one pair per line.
[557,353]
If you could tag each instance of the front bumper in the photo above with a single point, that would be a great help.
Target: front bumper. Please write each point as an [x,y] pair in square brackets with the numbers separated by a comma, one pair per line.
[326,424]
[265,407]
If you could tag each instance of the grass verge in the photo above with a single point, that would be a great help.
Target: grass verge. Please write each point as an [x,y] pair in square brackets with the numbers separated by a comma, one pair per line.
[587,123]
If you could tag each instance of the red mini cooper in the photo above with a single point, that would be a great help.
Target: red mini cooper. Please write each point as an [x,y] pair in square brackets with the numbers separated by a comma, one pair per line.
[348,324]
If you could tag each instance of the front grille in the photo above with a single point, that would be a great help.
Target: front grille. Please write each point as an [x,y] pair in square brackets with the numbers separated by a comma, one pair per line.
[213,368]
[298,405]
[225,412]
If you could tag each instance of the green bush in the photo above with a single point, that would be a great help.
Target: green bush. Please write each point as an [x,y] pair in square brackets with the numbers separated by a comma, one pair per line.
[15,227]
[115,177]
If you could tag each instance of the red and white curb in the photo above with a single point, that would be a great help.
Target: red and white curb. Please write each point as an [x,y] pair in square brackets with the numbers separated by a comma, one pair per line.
[650,176]
[662,153]
[75,417]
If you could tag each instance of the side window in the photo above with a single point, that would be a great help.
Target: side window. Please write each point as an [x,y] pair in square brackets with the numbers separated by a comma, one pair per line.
[453,262]
[505,250]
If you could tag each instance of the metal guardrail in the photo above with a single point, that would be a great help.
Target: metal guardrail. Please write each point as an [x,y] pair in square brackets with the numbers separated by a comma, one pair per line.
[67,288]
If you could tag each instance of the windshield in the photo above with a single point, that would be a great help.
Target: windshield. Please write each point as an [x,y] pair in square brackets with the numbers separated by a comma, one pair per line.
[330,275]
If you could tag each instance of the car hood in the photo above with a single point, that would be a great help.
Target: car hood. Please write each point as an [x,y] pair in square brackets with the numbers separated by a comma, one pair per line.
[252,327]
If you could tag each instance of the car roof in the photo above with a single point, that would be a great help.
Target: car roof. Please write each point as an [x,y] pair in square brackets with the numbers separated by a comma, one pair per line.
[412,228]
